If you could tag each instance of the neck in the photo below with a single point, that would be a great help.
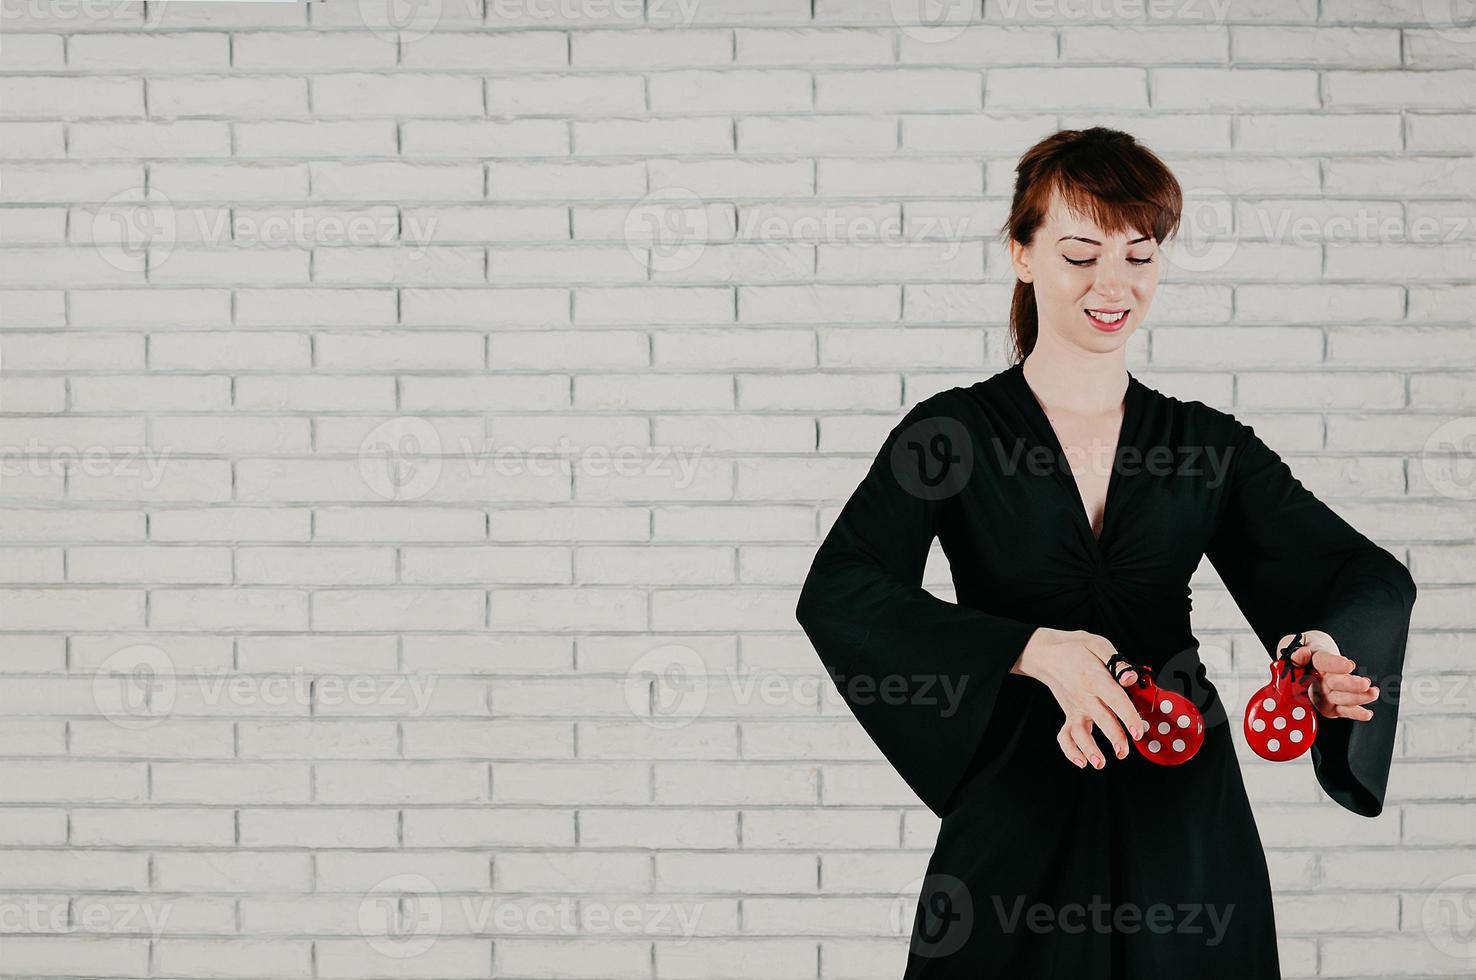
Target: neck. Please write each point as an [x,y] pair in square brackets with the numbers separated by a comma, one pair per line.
[1074,380]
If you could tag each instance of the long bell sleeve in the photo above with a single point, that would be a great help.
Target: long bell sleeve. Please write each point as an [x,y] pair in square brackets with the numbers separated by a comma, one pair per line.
[920,674]
[1293,564]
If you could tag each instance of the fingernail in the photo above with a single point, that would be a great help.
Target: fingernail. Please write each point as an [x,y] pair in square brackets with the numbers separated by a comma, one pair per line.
[1097,761]
[1122,751]
[1080,763]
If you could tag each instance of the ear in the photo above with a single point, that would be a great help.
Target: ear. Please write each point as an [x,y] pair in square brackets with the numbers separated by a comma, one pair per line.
[1020,259]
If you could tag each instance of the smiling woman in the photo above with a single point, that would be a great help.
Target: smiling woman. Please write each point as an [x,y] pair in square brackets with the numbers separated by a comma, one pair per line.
[1089,211]
[1061,575]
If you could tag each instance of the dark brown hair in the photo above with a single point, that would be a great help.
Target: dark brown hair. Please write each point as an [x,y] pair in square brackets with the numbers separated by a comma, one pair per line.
[1100,173]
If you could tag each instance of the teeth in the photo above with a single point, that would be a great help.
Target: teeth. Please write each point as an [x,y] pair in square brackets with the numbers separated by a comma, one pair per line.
[1105,317]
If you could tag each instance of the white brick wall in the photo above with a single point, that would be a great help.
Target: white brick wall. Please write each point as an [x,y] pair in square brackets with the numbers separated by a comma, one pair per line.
[410,716]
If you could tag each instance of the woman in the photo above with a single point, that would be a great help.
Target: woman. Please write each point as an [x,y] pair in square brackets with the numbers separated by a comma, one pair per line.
[1063,852]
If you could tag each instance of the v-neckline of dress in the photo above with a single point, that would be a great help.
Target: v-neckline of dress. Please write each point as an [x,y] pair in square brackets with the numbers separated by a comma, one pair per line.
[1062,470]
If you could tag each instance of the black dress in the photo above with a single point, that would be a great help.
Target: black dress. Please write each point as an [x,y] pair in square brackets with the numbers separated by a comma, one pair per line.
[1043,870]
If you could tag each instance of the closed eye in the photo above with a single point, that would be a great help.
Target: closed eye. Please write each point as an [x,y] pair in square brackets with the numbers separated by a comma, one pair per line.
[1147,261]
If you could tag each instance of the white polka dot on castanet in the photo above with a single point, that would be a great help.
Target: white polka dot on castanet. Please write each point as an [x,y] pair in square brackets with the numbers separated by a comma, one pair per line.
[1274,745]
[1295,735]
[1269,704]
[1258,725]
[1178,745]
[1279,722]
[1299,712]
[1166,706]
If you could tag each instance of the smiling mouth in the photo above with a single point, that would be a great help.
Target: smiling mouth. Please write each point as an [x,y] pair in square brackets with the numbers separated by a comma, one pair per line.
[1107,318]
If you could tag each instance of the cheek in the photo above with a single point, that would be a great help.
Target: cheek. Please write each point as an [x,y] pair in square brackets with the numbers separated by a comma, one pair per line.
[1064,287]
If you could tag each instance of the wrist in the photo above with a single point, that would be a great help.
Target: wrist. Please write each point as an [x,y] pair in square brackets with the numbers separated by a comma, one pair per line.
[1028,663]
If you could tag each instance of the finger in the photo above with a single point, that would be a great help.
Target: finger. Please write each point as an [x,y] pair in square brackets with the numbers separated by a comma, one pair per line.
[1345,682]
[1327,662]
[1081,735]
[1284,642]
[1068,746]
[1108,723]
[1100,646]
[1117,701]
[1354,712]
[1351,697]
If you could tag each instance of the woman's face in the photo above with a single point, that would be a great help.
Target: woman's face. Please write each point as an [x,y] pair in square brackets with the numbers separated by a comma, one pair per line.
[1084,277]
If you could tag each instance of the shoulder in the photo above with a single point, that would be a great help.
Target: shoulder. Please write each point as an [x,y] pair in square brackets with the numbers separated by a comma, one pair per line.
[1197,421]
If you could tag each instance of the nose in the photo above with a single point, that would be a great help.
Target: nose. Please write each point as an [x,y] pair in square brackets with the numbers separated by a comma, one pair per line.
[1110,283]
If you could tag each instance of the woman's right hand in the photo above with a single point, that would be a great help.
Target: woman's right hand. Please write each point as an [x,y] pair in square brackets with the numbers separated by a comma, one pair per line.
[1073,665]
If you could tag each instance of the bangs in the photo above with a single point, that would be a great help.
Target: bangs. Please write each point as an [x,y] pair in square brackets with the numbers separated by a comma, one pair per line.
[1134,216]
[1101,175]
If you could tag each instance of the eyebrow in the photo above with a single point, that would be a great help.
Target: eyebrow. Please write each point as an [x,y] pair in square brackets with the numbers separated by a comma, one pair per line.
[1093,241]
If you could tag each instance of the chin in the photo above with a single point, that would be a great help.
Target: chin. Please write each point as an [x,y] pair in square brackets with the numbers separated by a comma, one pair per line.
[1097,340]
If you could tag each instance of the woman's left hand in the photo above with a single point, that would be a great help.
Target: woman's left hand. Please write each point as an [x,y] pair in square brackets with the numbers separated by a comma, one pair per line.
[1336,691]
